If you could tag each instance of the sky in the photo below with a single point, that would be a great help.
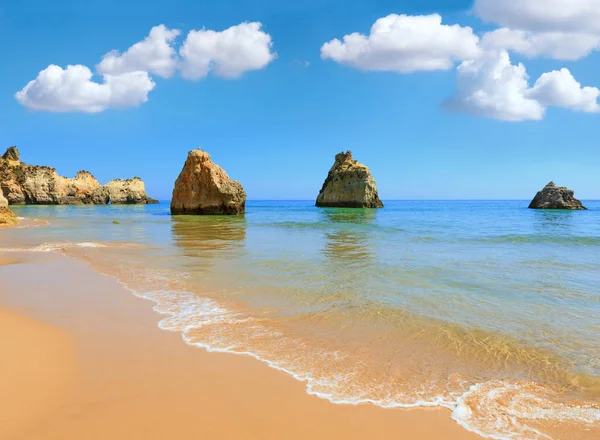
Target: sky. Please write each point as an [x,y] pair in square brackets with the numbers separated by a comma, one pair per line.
[442,99]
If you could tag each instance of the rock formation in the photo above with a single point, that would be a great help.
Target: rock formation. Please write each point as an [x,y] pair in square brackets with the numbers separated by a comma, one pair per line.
[349,185]
[7,218]
[556,197]
[125,192]
[204,188]
[11,155]
[40,185]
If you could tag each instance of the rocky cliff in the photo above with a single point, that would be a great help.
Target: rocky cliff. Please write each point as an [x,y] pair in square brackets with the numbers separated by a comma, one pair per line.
[556,197]
[7,218]
[349,184]
[24,184]
[204,188]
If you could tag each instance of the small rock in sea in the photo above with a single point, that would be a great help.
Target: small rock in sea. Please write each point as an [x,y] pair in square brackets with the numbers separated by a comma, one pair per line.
[556,197]
[349,184]
[204,188]
[116,222]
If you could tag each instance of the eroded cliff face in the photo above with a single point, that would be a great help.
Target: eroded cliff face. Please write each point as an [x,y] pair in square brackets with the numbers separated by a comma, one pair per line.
[556,197]
[25,184]
[204,188]
[7,217]
[349,184]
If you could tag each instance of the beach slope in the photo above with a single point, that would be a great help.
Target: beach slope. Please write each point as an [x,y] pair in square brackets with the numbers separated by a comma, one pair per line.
[85,359]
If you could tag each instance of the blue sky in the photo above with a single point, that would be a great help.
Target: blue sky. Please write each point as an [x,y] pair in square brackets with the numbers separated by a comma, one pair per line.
[277,127]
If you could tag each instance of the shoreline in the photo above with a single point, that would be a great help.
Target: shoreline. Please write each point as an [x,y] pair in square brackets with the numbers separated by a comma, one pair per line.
[134,380]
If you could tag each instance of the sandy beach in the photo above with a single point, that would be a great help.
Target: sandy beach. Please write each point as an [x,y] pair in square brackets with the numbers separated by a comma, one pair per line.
[84,359]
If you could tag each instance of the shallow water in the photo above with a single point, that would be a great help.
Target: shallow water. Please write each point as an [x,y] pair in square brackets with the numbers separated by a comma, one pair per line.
[487,308]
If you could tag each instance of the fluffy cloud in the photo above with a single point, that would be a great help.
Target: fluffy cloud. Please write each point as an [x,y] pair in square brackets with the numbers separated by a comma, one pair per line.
[557,45]
[573,16]
[560,89]
[559,29]
[488,84]
[405,44]
[493,87]
[227,54]
[126,77]
[72,89]
[155,55]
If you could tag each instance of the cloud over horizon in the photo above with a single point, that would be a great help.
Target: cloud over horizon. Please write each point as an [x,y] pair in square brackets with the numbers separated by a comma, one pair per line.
[488,84]
[554,45]
[495,88]
[72,90]
[405,44]
[542,15]
[155,54]
[560,89]
[126,77]
[558,29]
[227,54]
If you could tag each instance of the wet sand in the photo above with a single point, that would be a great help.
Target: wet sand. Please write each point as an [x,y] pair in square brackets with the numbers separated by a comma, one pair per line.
[84,359]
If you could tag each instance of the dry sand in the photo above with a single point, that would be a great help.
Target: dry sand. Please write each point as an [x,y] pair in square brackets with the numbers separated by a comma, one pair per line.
[82,358]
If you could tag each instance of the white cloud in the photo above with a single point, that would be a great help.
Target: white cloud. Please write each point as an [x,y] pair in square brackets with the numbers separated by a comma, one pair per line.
[495,88]
[155,55]
[560,89]
[227,54]
[572,16]
[72,90]
[556,45]
[126,77]
[405,44]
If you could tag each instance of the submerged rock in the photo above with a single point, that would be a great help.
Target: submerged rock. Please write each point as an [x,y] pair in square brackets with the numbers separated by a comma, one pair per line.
[349,184]
[7,217]
[556,197]
[41,185]
[204,188]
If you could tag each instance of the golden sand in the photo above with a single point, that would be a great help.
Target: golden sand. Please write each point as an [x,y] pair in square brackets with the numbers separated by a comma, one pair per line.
[36,371]
[84,359]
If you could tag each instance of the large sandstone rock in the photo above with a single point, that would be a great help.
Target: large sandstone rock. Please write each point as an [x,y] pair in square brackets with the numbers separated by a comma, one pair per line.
[204,188]
[40,185]
[555,197]
[349,185]
[127,192]
[7,217]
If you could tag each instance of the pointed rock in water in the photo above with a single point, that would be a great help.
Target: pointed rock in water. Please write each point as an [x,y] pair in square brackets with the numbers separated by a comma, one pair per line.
[7,217]
[349,184]
[204,188]
[556,197]
[40,185]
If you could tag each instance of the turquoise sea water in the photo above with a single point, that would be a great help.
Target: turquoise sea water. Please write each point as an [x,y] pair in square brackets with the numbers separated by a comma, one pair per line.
[485,307]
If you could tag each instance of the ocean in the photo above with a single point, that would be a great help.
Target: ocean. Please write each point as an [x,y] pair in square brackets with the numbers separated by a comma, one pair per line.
[484,307]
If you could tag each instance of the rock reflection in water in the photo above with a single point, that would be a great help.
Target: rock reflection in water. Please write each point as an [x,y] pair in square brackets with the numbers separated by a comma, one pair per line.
[208,236]
[348,242]
[554,222]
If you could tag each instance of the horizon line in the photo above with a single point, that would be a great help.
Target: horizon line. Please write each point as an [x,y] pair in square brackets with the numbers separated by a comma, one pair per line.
[402,200]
